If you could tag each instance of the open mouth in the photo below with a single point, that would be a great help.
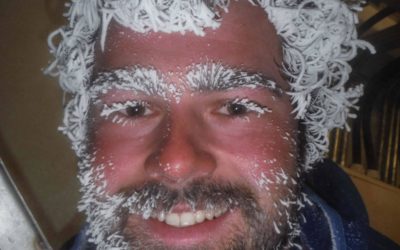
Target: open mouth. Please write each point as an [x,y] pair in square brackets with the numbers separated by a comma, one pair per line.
[185,219]
[182,225]
[203,214]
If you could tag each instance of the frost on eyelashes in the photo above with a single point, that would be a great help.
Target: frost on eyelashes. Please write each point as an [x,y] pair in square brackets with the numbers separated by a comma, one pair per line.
[121,107]
[116,107]
[252,106]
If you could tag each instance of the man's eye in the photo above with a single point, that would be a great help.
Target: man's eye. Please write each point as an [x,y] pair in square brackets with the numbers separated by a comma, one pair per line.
[243,106]
[129,109]
[136,111]
[236,109]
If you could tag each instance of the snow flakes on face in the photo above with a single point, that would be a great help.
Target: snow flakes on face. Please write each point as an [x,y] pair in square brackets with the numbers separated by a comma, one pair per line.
[100,209]
[291,200]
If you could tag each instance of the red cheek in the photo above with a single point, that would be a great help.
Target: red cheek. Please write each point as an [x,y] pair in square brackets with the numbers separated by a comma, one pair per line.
[256,150]
[269,138]
[123,152]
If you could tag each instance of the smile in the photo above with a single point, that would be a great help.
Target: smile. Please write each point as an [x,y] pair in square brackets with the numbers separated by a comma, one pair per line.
[186,219]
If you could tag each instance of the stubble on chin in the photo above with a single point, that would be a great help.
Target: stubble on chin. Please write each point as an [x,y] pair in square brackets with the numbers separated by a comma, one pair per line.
[254,231]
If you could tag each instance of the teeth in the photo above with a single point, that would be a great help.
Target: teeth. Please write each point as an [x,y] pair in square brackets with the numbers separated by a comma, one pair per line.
[209,215]
[161,216]
[173,219]
[146,215]
[188,218]
[199,216]
[218,213]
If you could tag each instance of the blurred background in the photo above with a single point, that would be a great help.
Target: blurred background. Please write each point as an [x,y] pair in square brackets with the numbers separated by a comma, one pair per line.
[37,156]
[43,167]
[370,153]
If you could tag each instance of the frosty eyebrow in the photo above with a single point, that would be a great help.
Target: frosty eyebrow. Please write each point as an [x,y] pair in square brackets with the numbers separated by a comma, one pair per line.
[139,79]
[201,77]
[217,77]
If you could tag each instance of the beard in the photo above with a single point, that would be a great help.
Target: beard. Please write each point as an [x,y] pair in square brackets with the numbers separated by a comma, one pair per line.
[112,224]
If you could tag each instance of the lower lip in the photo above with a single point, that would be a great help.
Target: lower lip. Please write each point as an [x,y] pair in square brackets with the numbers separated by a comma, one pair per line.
[191,235]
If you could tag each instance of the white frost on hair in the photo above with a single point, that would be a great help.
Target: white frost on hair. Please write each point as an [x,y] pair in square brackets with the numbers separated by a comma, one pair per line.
[75,123]
[161,16]
[318,40]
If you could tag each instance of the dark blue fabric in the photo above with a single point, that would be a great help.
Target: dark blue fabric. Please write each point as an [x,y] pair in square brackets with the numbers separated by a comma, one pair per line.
[334,186]
[315,236]
[338,213]
[336,190]
[81,242]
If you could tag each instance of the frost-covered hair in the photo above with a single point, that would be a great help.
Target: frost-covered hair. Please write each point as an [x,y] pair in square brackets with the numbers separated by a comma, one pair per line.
[318,40]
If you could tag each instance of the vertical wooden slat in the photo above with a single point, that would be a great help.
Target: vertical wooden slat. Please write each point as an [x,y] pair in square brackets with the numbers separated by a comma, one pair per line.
[344,147]
[336,145]
[396,149]
[382,138]
[388,169]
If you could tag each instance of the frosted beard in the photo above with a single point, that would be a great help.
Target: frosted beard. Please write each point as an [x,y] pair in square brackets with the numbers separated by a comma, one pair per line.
[112,218]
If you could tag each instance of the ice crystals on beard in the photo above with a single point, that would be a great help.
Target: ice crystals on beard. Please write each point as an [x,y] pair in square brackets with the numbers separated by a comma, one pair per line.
[276,228]
[264,181]
[282,175]
[100,208]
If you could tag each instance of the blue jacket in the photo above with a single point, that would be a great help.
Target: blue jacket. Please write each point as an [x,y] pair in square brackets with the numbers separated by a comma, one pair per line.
[336,219]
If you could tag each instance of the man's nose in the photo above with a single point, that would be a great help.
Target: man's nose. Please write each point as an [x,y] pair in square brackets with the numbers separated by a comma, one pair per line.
[181,155]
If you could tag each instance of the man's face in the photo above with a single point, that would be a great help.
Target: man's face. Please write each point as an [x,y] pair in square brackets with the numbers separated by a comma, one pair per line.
[221,150]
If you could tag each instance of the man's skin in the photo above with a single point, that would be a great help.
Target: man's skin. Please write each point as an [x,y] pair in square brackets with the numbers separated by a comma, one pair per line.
[199,137]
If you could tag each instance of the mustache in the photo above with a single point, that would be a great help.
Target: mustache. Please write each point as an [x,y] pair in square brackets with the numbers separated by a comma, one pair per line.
[200,194]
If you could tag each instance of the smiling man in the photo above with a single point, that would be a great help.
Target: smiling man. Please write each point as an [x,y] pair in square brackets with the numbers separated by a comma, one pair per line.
[196,121]
[186,117]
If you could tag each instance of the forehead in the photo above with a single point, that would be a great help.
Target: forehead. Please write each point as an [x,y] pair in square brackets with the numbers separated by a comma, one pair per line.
[246,39]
